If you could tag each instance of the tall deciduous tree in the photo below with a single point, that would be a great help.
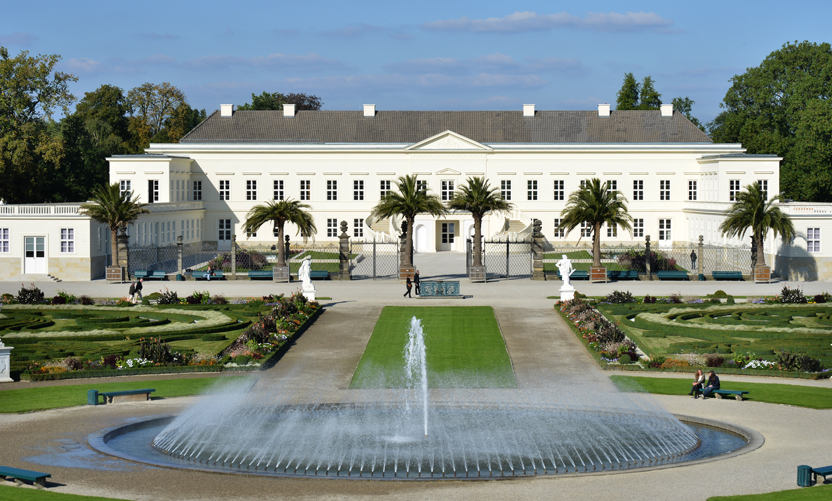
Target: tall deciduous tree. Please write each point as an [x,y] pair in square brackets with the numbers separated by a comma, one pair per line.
[114,208]
[30,92]
[751,211]
[684,105]
[595,205]
[152,106]
[281,212]
[779,107]
[478,198]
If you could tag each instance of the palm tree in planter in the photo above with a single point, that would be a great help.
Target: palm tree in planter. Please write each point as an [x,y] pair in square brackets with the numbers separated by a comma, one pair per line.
[478,198]
[595,205]
[116,209]
[408,200]
[751,211]
[281,212]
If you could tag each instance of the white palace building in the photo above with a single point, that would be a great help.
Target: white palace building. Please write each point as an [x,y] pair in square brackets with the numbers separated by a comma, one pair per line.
[678,183]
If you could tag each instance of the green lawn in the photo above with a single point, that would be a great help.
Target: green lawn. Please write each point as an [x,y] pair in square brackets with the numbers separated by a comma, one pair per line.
[21,494]
[53,397]
[801,396]
[465,349]
[816,493]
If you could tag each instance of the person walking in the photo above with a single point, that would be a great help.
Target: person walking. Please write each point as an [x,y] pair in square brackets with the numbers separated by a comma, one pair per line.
[417,282]
[132,292]
[692,260]
[713,384]
[137,297]
[698,381]
[409,285]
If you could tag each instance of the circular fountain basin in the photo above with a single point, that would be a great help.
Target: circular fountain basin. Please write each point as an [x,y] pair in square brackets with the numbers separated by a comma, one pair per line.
[354,441]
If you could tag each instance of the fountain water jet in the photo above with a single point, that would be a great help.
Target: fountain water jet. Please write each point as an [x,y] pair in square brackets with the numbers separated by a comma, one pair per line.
[415,364]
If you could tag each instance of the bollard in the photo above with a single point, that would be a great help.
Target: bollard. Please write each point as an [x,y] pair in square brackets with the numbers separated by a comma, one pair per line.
[804,476]
[92,397]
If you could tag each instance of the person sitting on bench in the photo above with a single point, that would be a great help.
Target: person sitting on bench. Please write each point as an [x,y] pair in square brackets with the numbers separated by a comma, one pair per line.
[713,384]
[208,273]
[698,381]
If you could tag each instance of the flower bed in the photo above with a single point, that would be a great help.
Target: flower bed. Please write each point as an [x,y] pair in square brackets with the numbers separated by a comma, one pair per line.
[53,376]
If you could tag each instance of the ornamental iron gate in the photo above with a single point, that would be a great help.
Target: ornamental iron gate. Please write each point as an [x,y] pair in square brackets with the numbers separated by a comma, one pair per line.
[502,259]
[374,260]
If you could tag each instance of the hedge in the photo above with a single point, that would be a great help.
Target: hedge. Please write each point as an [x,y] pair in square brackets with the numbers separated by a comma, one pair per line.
[122,372]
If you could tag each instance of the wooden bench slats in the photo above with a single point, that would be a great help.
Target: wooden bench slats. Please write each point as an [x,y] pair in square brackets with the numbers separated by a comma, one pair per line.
[38,478]
[126,392]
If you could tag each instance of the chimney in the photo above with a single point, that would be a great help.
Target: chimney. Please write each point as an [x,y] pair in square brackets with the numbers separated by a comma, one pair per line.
[528,110]
[288,110]
[226,110]
[369,110]
[667,110]
[603,110]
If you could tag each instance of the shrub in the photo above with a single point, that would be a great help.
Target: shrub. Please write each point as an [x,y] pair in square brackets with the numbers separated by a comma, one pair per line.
[155,350]
[649,299]
[219,299]
[618,297]
[637,260]
[714,360]
[720,294]
[656,361]
[246,259]
[168,297]
[86,300]
[58,300]
[714,300]
[730,300]
[676,298]
[123,303]
[29,295]
[192,299]
[73,364]
[625,359]
[820,298]
[798,362]
[671,363]
[242,359]
[68,298]
[7,298]
[792,296]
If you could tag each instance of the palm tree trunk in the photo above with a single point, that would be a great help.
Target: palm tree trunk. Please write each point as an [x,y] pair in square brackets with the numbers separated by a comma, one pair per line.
[761,257]
[114,246]
[281,247]
[596,246]
[408,244]
[477,240]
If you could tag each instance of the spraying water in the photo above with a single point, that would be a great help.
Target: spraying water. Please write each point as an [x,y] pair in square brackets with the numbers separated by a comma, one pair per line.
[415,364]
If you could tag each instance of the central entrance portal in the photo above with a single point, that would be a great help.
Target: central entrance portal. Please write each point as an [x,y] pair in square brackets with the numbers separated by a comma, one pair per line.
[35,256]
[447,237]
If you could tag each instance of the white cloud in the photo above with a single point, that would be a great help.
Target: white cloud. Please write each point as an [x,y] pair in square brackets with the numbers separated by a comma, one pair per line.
[18,38]
[83,65]
[520,22]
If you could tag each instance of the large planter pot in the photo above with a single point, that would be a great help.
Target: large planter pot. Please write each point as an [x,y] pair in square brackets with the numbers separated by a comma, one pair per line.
[116,274]
[762,274]
[404,273]
[597,274]
[477,274]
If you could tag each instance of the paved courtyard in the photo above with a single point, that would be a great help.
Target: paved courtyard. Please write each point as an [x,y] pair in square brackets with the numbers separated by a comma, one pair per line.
[543,351]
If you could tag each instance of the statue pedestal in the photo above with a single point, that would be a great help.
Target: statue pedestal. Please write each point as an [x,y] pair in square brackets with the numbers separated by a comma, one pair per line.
[309,292]
[5,363]
[567,293]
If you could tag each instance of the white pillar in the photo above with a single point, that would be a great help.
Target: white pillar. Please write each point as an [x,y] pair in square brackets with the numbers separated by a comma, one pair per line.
[5,363]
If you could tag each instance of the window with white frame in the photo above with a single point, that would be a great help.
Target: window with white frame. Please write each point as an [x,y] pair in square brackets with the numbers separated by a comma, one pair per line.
[638,189]
[447,190]
[813,239]
[197,190]
[4,240]
[733,189]
[692,191]
[331,189]
[358,189]
[384,188]
[763,184]
[664,230]
[421,185]
[225,189]
[277,188]
[531,189]
[332,227]
[612,185]
[305,189]
[251,189]
[152,191]
[559,232]
[560,191]
[225,230]
[505,189]
[586,230]
[358,227]
[583,183]
[612,231]
[664,189]
[67,240]
[124,186]
[638,228]
[251,234]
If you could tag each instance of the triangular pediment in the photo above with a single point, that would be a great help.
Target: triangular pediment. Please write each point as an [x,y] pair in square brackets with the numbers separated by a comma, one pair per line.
[448,172]
[448,141]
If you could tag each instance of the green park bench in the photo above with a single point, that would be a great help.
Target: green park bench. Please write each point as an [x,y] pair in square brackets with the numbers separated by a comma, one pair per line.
[737,394]
[126,395]
[727,275]
[256,274]
[823,472]
[37,478]
[322,274]
[672,275]
[577,275]
[215,275]
[150,275]
[622,274]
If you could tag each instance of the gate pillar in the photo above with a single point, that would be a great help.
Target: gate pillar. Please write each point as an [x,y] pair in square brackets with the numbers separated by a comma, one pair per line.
[537,251]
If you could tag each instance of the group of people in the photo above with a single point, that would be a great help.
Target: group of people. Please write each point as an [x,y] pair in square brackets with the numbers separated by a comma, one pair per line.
[135,291]
[700,386]
[410,283]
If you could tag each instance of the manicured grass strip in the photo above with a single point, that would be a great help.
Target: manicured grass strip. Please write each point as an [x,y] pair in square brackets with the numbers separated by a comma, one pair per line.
[816,493]
[465,349]
[801,396]
[53,397]
[23,494]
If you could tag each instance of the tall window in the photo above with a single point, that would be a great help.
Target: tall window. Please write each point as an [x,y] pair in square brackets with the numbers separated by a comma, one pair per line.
[638,228]
[583,183]
[664,189]
[332,227]
[505,189]
[251,189]
[531,189]
[124,186]
[447,190]
[67,240]
[733,189]
[225,189]
[197,190]
[763,184]
[638,189]
[421,185]
[692,190]
[358,189]
[612,231]
[813,239]
[560,191]
[225,230]
[586,230]
[4,240]
[384,188]
[331,189]
[358,227]
[664,229]
[612,185]
[278,189]
[251,234]
[559,232]
[305,189]
[152,191]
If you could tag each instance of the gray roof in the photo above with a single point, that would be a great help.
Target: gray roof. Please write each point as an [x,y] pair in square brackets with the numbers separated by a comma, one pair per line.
[414,126]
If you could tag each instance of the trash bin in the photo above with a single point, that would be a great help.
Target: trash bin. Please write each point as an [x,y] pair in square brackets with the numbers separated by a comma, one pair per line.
[804,476]
[92,397]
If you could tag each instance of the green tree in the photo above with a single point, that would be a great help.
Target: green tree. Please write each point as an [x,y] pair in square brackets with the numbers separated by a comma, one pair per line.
[281,212]
[751,211]
[109,105]
[115,209]
[769,110]
[30,92]
[684,105]
[595,205]
[408,201]
[628,96]
[275,101]
[649,98]
[182,120]
[478,198]
[152,106]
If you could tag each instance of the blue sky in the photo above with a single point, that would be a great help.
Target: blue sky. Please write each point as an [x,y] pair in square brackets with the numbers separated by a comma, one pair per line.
[482,55]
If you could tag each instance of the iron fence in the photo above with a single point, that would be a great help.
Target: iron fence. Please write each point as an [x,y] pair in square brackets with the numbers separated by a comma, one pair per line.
[374,260]
[502,259]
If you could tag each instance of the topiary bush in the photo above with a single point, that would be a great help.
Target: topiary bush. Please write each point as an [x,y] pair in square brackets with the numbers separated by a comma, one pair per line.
[242,359]
[618,297]
[625,359]
[720,294]
[29,295]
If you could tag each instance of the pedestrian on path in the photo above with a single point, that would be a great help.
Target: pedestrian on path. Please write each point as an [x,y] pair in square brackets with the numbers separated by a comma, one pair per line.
[417,282]
[132,292]
[409,285]
[137,297]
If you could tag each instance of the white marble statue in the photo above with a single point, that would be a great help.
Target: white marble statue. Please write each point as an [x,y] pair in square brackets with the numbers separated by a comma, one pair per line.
[567,291]
[304,275]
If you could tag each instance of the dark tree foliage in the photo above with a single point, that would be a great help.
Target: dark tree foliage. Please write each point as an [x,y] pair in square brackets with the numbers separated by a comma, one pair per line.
[627,97]
[275,100]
